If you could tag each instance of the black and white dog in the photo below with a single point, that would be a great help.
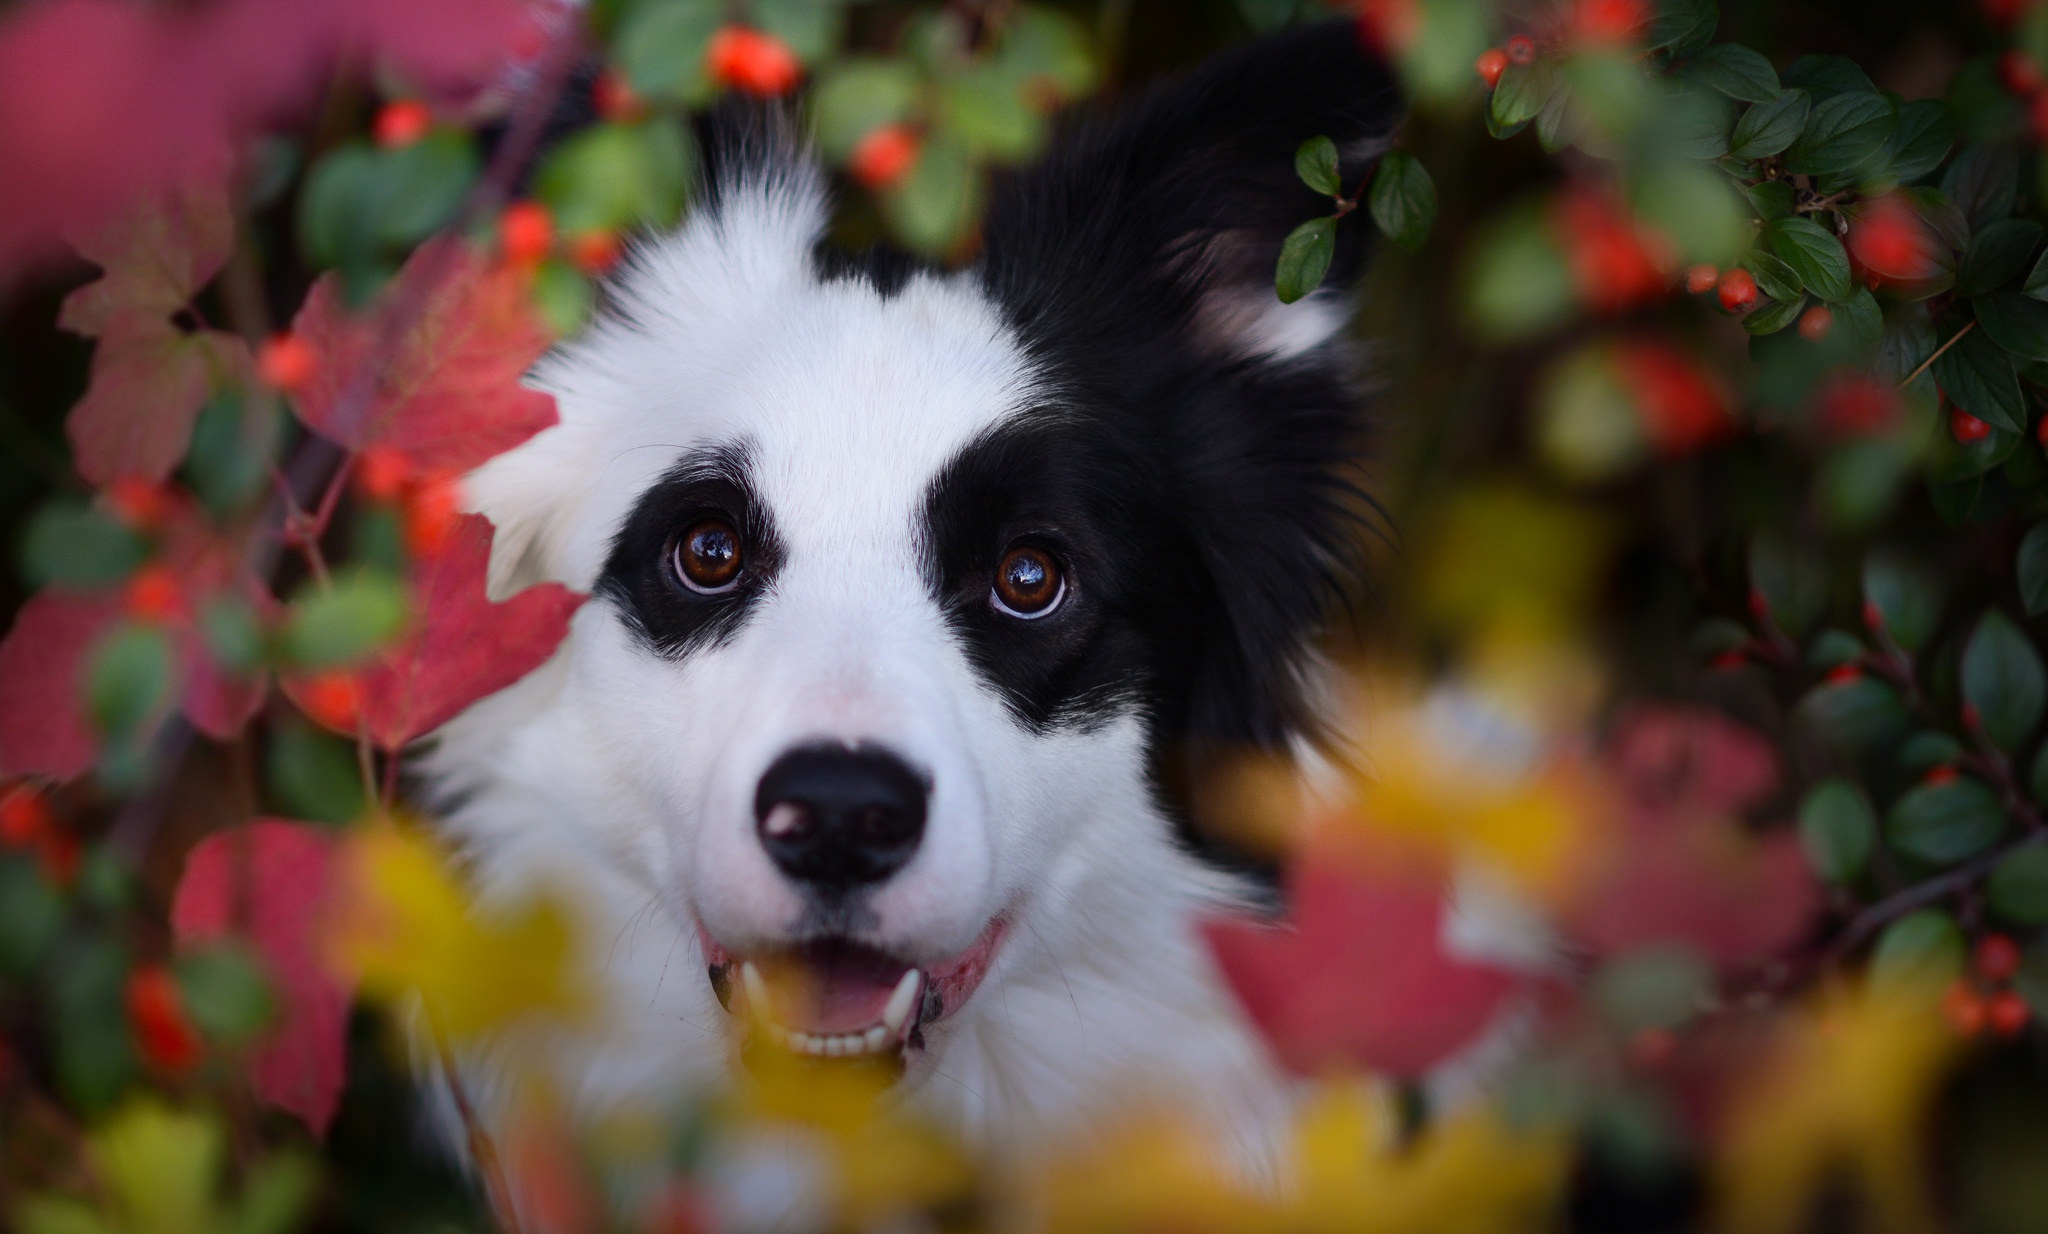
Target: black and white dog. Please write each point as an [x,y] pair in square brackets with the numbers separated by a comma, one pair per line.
[915,593]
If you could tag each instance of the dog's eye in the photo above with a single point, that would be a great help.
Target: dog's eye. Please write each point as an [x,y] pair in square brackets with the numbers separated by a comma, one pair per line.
[707,557]
[1028,583]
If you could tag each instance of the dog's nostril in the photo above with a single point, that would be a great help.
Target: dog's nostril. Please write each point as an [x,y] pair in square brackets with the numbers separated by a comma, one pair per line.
[838,817]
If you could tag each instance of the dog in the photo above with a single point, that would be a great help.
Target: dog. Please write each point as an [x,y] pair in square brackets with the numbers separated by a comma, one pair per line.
[919,596]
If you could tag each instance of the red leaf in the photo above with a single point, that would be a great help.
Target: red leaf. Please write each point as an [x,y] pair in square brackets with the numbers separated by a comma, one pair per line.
[154,259]
[449,395]
[464,646]
[210,566]
[149,382]
[267,883]
[1362,978]
[43,726]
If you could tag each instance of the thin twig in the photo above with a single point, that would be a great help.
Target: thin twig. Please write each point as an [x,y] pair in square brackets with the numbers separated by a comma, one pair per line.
[1882,913]
[1929,361]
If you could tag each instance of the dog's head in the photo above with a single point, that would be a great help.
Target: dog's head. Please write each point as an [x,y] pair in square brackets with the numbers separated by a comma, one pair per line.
[907,583]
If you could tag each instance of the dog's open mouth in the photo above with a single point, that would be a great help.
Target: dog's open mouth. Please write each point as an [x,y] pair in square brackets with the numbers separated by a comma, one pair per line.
[836,998]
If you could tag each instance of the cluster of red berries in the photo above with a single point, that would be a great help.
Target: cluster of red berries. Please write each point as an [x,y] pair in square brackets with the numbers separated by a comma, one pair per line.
[1985,999]
[28,823]
[526,237]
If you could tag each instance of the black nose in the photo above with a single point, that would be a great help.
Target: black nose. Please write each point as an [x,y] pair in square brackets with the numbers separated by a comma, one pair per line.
[839,818]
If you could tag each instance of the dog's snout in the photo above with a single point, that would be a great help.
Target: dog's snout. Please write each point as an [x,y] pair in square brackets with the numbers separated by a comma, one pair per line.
[838,818]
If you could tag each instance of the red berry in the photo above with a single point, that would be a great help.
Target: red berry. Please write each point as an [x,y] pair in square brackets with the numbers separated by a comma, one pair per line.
[154,593]
[1389,27]
[1972,718]
[156,1012]
[1609,21]
[1491,64]
[1616,262]
[594,252]
[428,517]
[1701,278]
[1964,1009]
[382,473]
[753,62]
[616,100]
[287,362]
[138,503]
[2003,12]
[1967,428]
[1891,242]
[884,156]
[1937,776]
[1728,660]
[1681,406]
[526,232]
[1997,957]
[1521,50]
[2019,73]
[1815,323]
[2041,431]
[1855,404]
[1843,674]
[25,817]
[402,123]
[2007,1013]
[1738,291]
[1873,616]
[330,699]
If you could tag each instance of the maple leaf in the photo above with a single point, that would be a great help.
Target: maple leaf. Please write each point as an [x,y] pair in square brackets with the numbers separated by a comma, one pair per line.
[268,882]
[44,729]
[1362,977]
[154,258]
[446,391]
[462,648]
[149,382]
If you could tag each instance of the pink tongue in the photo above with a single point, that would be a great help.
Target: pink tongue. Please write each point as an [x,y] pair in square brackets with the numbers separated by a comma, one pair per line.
[836,989]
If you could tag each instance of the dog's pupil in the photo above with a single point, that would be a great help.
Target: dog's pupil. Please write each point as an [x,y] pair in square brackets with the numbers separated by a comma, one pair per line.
[713,553]
[1027,578]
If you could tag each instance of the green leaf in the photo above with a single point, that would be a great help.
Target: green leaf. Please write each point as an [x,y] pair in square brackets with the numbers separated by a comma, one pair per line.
[1945,823]
[1517,280]
[31,912]
[2031,568]
[346,622]
[1923,949]
[617,177]
[88,1024]
[1815,255]
[2037,280]
[1696,122]
[336,208]
[1735,71]
[1907,596]
[276,1195]
[937,202]
[1908,341]
[1683,26]
[75,545]
[421,185]
[1655,987]
[129,679]
[1928,749]
[1859,714]
[1838,830]
[1773,277]
[564,298]
[1316,164]
[854,97]
[810,27]
[1826,76]
[661,45]
[1792,582]
[1771,199]
[1859,321]
[1926,132]
[1842,133]
[1521,92]
[1768,128]
[1774,316]
[225,991]
[2018,886]
[1305,258]
[1996,254]
[313,775]
[2015,322]
[1979,378]
[1402,200]
[1983,182]
[990,115]
[1832,648]
[2004,680]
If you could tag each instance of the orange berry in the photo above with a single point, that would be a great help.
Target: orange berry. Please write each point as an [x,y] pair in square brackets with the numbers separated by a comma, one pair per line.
[401,123]
[616,100]
[526,232]
[2007,1013]
[331,699]
[1521,50]
[138,503]
[884,156]
[1967,428]
[594,252]
[1701,278]
[382,473]
[1964,1009]
[1738,291]
[1491,64]
[1815,323]
[286,362]
[154,593]
[156,1012]
[753,62]
[25,817]
[1997,957]
[428,517]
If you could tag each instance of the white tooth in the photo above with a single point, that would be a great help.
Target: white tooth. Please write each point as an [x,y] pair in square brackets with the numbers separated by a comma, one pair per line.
[756,988]
[871,1041]
[901,1000]
[843,1045]
[802,1043]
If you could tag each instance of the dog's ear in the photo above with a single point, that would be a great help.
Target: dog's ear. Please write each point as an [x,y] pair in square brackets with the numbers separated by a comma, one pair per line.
[1137,265]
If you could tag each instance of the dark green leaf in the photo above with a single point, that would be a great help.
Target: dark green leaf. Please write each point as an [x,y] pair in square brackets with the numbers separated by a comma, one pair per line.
[1832,648]
[1696,123]
[1771,199]
[1928,749]
[88,1024]
[1774,316]
[1859,322]
[1908,597]
[1305,258]
[1922,139]
[1792,582]
[1924,949]
[810,27]
[128,679]
[1953,461]
[2004,680]
[1908,341]
[1826,76]
[660,48]
[1773,277]
[2018,886]
[1735,71]
[1945,823]
[77,546]
[30,913]
[1522,91]
[1859,714]
[420,186]
[313,775]
[1316,164]
[2015,322]
[2031,568]
[1837,828]
[1403,200]
[1996,254]
[1979,378]
[1813,253]
[2037,279]
[1768,128]
[337,214]
[1682,26]
[345,622]
[1984,182]
[225,992]
[1842,133]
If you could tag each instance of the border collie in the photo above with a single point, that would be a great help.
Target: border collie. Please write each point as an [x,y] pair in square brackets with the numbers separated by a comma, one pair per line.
[917,594]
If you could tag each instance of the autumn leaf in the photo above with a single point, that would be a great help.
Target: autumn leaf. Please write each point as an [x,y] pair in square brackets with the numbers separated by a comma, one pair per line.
[153,259]
[267,883]
[462,648]
[1361,977]
[448,395]
[44,729]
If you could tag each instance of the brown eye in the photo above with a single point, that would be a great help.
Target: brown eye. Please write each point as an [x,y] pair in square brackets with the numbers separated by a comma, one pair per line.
[1028,583]
[707,557]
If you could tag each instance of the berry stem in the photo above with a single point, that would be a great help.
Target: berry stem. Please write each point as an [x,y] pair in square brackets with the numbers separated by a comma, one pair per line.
[1929,361]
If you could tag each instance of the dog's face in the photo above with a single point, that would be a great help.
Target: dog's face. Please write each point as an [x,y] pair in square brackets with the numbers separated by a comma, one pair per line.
[908,586]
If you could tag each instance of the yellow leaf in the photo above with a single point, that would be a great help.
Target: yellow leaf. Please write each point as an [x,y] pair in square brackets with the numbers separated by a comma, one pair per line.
[161,1168]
